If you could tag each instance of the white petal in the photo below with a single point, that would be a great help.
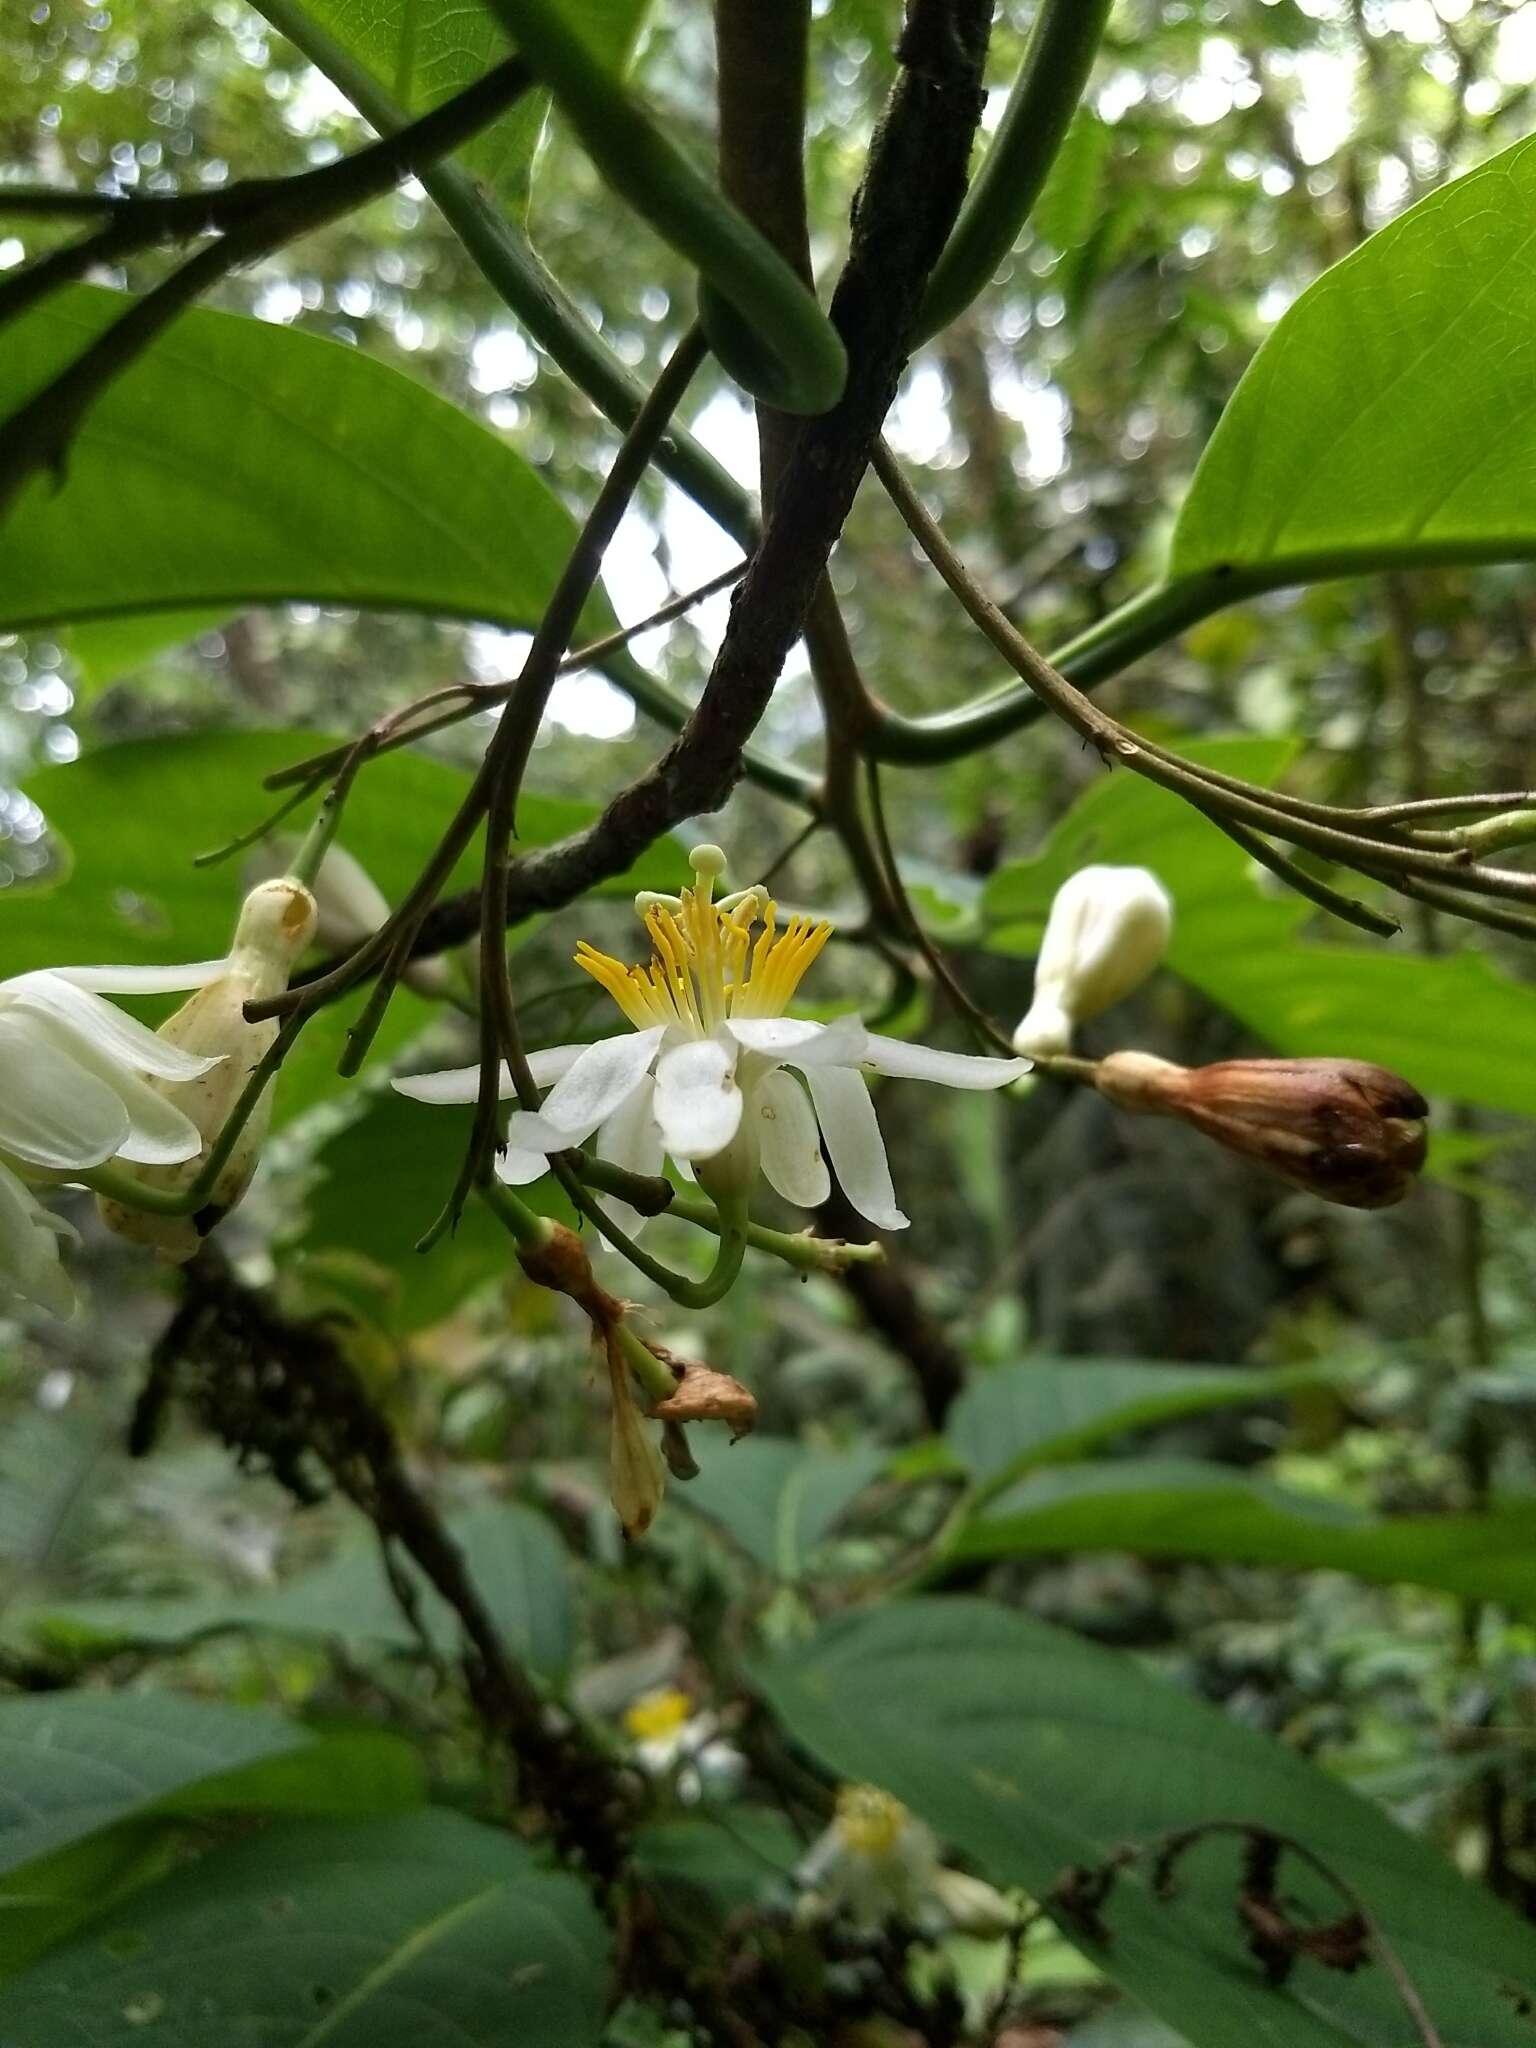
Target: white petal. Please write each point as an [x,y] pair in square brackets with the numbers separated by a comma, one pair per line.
[522,1161]
[29,1248]
[462,1084]
[143,981]
[838,1044]
[159,1134]
[697,1102]
[847,1119]
[85,1021]
[779,1037]
[598,1080]
[631,1138]
[53,1111]
[788,1143]
[926,1063]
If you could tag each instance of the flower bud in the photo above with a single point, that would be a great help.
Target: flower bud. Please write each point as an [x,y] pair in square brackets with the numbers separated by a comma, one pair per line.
[1345,1130]
[350,906]
[1107,929]
[277,922]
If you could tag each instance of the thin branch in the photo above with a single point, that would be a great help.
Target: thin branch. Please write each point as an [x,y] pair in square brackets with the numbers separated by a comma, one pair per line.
[267,215]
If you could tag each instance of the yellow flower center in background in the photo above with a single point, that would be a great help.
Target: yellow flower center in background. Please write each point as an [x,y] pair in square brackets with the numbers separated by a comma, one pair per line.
[705,965]
[658,1714]
[870,1821]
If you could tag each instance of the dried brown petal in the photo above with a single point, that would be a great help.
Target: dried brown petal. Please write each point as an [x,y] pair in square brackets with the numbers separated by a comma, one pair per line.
[636,1476]
[1345,1130]
[704,1395]
[561,1263]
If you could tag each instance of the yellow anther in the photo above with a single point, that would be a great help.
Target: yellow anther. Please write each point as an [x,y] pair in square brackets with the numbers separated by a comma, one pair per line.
[705,965]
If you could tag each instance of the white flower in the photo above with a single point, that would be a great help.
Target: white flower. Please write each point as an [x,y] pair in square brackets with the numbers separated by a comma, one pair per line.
[77,1088]
[276,923]
[29,1248]
[701,1077]
[877,1862]
[673,1742]
[1108,928]
[77,1075]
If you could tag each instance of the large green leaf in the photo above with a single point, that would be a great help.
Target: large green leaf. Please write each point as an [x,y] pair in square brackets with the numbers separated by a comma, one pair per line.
[1391,416]
[1236,937]
[73,1764]
[1045,1410]
[1179,1507]
[132,817]
[1031,1752]
[383,1934]
[513,1554]
[778,1499]
[264,464]
[380,1182]
[423,51]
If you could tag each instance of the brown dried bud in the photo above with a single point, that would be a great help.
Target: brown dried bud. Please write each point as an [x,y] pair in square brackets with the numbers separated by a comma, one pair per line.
[561,1264]
[704,1395]
[1346,1130]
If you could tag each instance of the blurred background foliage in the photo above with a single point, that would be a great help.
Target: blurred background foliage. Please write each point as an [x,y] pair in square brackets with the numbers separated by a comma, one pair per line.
[1255,1537]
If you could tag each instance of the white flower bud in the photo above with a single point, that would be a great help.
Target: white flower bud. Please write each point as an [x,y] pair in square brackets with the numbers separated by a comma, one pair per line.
[972,1906]
[276,923]
[1108,928]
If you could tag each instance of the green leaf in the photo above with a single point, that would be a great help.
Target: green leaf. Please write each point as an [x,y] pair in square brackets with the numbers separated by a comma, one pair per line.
[424,51]
[264,464]
[776,1498]
[382,1934]
[75,1763]
[131,818]
[1175,1507]
[1391,416]
[104,650]
[1070,207]
[380,1183]
[1031,1752]
[513,1555]
[1046,1410]
[725,1863]
[1236,938]
[43,1904]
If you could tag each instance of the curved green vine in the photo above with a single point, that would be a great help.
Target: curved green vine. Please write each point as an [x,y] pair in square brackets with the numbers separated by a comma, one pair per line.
[1055,67]
[762,322]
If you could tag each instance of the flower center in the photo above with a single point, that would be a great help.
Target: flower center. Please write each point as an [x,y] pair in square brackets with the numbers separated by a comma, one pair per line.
[705,964]
[870,1821]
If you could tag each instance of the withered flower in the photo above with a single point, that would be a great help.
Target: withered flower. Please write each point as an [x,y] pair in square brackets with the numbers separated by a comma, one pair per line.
[1345,1130]
[704,1395]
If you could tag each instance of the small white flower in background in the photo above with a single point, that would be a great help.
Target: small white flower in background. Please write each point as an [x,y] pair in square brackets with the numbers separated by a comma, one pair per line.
[877,1862]
[672,1741]
[1108,928]
[701,1076]
[277,922]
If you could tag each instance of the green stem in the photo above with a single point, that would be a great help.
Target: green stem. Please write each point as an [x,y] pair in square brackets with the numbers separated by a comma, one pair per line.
[765,325]
[799,1249]
[1057,60]
[524,1225]
[657,1381]
[521,282]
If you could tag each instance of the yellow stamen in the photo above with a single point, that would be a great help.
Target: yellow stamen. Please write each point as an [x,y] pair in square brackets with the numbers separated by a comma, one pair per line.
[658,1714]
[705,965]
[870,1821]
